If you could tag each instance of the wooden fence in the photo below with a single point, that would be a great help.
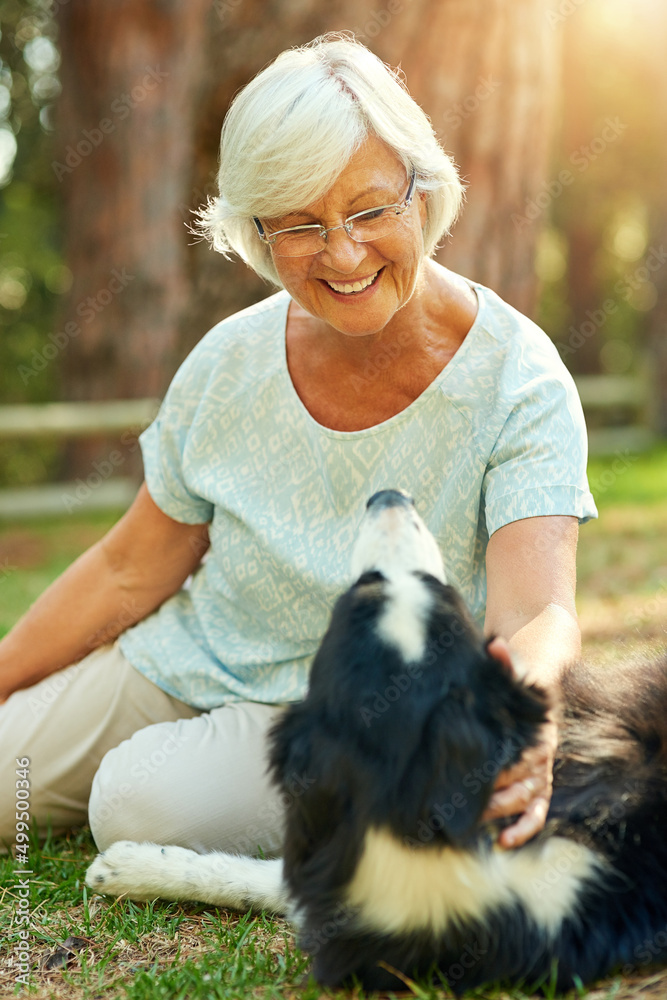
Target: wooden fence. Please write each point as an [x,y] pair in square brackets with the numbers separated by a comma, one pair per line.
[605,399]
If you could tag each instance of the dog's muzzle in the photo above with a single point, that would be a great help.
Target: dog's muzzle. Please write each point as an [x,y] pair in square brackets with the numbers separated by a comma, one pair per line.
[393,539]
[389,498]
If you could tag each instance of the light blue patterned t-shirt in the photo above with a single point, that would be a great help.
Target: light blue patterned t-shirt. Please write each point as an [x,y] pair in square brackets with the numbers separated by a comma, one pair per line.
[498,436]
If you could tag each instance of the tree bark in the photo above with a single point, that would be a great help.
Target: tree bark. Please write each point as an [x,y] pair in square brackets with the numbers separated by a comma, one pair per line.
[131,77]
[657,320]
[487,73]
[585,210]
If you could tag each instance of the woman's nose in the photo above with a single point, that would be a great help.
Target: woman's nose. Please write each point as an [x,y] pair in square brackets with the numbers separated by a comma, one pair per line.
[341,252]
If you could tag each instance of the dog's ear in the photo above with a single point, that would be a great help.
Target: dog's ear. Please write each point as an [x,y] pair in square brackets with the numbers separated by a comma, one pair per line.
[306,765]
[289,745]
[453,775]
[519,708]
[498,649]
[480,727]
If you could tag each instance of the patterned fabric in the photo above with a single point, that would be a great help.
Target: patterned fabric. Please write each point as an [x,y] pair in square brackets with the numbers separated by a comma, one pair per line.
[499,435]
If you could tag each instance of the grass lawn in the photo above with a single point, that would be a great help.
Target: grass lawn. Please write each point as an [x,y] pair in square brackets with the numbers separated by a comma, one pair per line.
[84,946]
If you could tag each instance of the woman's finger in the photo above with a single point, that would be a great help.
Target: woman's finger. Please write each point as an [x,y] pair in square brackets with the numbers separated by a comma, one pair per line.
[529,824]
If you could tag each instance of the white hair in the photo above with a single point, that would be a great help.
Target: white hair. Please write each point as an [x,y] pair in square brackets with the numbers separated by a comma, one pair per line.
[291,131]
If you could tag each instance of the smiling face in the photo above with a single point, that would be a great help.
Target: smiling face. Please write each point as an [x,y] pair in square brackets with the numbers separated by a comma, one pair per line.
[357,288]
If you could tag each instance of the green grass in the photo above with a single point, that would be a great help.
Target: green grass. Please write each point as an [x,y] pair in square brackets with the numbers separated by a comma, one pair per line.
[150,951]
[155,950]
[34,552]
[627,478]
[138,951]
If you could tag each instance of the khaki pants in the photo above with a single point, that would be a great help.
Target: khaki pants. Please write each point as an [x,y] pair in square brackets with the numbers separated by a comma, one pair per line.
[105,743]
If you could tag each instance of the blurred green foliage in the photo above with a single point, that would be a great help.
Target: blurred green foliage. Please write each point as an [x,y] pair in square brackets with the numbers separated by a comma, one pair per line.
[32,272]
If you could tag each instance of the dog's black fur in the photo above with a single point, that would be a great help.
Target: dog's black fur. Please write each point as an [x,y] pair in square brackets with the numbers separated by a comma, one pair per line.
[374,759]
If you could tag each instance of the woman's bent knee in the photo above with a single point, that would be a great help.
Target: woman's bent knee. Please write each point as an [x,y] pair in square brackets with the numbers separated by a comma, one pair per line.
[133,790]
[200,783]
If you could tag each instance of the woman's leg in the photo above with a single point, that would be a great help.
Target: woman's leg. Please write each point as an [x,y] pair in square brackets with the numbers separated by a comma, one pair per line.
[64,725]
[200,783]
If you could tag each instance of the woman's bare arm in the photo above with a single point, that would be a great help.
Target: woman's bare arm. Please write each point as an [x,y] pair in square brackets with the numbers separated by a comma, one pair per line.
[531,577]
[140,562]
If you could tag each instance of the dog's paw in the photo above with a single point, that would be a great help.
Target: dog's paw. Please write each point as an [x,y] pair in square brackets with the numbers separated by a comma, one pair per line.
[133,870]
[148,871]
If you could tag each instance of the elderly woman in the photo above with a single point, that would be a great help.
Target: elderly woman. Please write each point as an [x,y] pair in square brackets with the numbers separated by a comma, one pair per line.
[373,367]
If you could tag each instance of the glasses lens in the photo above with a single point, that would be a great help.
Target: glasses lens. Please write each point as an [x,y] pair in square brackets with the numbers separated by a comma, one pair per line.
[363,228]
[374,224]
[298,244]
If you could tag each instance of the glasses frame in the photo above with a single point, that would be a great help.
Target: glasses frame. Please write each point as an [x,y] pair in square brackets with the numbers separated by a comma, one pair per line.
[270,238]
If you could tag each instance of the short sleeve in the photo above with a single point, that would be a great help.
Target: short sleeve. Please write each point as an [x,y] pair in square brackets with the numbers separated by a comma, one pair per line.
[538,464]
[166,450]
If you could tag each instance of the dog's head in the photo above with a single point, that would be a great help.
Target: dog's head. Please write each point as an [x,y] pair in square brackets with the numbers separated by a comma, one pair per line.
[409,717]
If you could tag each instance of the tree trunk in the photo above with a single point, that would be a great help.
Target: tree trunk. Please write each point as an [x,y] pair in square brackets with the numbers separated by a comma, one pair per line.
[487,73]
[657,320]
[145,88]
[131,76]
[585,214]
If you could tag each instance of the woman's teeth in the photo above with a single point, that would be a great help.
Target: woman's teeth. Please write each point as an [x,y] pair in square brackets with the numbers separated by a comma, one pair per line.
[357,286]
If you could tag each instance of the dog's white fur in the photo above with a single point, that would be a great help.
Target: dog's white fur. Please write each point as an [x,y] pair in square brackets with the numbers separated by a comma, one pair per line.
[436,888]
[149,871]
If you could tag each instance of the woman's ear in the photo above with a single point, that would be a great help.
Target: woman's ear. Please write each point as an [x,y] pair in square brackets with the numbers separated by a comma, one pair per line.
[423,214]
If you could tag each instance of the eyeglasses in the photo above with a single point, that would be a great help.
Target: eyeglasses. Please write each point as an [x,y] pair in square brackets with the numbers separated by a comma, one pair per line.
[363,227]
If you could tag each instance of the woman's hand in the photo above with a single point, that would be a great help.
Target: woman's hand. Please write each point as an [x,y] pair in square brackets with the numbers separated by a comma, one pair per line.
[525,788]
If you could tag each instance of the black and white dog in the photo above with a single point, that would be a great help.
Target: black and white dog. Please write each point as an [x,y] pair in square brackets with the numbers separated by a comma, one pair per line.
[386,865]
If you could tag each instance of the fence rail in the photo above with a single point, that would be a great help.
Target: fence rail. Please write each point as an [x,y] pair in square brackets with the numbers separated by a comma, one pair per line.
[600,395]
[76,419]
[604,395]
